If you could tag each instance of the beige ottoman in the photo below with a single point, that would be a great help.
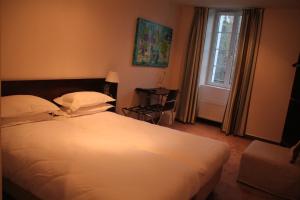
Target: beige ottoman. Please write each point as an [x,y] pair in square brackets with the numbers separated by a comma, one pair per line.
[266,166]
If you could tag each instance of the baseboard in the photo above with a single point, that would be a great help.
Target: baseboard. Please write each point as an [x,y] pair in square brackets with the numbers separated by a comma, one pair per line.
[261,139]
[208,122]
[219,125]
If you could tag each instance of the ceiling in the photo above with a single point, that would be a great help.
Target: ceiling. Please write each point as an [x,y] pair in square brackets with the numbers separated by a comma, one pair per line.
[243,3]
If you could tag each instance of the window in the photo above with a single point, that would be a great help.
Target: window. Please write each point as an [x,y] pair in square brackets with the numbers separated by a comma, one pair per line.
[222,54]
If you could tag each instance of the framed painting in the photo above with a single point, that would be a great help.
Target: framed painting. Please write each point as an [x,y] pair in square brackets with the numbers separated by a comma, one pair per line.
[152,44]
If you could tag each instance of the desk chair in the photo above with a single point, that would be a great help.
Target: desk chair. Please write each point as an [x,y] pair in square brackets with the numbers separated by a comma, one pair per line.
[150,111]
[168,106]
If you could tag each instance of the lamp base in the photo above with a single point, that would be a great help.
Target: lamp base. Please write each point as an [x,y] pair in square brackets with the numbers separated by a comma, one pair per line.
[106,89]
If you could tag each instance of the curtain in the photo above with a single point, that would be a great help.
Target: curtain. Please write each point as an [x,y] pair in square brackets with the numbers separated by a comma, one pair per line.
[189,87]
[236,112]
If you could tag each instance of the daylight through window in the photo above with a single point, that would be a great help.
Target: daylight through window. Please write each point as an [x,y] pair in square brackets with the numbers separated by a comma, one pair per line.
[223,49]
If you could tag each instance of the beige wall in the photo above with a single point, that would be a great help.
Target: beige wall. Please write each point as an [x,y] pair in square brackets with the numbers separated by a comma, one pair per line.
[212,102]
[79,38]
[279,49]
[0,112]
[183,26]
[86,38]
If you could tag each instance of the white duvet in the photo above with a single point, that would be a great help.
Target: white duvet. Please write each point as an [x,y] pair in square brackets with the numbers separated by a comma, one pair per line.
[106,156]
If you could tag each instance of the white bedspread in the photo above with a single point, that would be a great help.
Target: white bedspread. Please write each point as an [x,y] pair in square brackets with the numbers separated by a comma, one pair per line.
[108,156]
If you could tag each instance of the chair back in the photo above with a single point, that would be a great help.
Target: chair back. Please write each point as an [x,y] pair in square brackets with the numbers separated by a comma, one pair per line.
[172,95]
[170,100]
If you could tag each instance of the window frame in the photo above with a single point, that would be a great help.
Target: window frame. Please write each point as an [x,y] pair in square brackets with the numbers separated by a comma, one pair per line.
[233,42]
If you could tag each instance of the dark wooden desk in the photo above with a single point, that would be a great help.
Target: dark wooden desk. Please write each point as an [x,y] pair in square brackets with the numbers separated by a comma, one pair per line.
[147,95]
[151,92]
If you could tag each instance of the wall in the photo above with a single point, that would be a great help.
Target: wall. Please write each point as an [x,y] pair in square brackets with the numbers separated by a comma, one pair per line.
[279,49]
[1,194]
[212,102]
[86,38]
[53,39]
[183,26]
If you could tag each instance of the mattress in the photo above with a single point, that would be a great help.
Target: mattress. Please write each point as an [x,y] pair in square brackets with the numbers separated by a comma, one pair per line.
[108,156]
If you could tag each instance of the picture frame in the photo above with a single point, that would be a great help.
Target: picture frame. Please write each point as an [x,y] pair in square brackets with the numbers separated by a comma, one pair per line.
[152,44]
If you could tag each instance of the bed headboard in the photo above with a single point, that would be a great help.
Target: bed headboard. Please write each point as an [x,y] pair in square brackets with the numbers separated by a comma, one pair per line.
[50,89]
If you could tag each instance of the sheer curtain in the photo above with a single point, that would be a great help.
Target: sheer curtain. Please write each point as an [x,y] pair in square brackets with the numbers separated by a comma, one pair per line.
[236,113]
[189,88]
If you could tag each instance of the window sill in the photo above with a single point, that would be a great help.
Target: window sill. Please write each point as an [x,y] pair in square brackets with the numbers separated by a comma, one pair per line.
[214,86]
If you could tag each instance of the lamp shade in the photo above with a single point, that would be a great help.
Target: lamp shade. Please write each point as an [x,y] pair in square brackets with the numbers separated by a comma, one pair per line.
[112,77]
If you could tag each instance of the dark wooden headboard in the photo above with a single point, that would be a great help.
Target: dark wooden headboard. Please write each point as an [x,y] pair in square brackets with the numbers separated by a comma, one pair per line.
[50,89]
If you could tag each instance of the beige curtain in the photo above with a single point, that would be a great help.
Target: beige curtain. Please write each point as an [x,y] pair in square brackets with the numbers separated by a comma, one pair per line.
[236,113]
[189,88]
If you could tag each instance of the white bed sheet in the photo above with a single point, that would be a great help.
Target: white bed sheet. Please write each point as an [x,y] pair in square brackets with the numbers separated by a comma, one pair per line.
[108,156]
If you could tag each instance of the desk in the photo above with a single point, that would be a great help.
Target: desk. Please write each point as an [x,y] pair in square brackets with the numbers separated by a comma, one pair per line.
[145,110]
[150,92]
[153,91]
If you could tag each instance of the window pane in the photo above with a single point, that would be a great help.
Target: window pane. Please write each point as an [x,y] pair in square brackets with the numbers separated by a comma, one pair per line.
[226,23]
[219,74]
[220,57]
[223,41]
[224,48]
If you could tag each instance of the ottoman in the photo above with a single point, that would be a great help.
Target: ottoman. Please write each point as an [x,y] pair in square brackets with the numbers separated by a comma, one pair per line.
[267,167]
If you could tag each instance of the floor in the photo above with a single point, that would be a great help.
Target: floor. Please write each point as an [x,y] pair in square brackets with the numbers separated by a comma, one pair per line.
[228,188]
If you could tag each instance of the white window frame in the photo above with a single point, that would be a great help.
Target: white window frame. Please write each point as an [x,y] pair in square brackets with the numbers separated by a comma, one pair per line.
[232,56]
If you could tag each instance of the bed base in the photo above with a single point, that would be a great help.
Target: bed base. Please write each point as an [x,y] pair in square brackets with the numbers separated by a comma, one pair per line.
[209,187]
[18,193]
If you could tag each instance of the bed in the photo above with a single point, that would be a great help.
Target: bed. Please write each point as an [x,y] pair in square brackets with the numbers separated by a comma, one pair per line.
[106,156]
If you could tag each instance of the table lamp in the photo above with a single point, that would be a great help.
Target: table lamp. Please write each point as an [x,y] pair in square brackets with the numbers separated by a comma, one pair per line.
[111,77]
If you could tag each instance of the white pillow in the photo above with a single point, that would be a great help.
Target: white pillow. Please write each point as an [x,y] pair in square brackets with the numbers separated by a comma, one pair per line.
[77,100]
[13,121]
[89,110]
[22,105]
